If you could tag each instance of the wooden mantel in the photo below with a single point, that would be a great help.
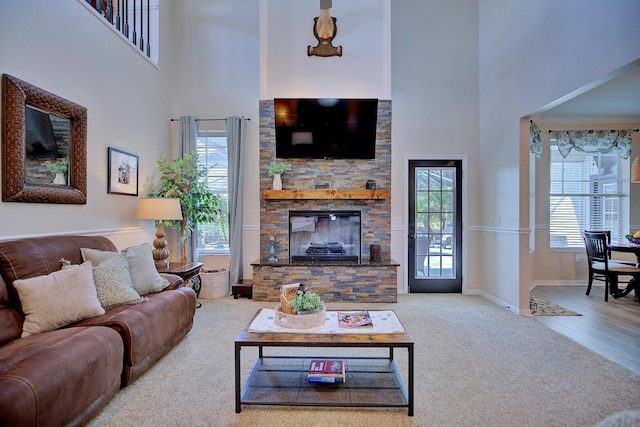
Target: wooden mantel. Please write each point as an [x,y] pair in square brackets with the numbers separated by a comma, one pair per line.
[325,194]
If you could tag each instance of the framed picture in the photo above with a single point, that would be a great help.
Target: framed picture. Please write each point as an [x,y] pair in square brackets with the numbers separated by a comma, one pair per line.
[122,170]
[321,185]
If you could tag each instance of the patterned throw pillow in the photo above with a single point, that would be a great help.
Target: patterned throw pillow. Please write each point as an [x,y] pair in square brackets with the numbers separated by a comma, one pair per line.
[113,283]
[57,299]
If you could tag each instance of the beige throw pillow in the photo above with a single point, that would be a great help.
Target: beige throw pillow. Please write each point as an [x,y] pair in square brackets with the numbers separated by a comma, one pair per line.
[96,256]
[57,299]
[142,268]
[113,283]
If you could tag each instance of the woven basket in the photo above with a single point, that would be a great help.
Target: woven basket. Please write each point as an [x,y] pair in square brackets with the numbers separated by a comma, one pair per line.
[296,321]
[215,284]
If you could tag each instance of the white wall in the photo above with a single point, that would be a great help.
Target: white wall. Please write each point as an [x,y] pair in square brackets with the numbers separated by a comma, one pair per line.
[532,53]
[434,75]
[361,71]
[67,51]
[215,65]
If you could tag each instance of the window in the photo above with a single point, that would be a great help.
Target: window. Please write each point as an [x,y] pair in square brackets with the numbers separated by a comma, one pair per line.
[588,192]
[212,151]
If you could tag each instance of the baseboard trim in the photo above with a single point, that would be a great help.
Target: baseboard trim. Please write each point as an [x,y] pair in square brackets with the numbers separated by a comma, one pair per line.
[563,283]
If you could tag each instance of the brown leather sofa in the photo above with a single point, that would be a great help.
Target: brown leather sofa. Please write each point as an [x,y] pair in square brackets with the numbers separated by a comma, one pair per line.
[66,376]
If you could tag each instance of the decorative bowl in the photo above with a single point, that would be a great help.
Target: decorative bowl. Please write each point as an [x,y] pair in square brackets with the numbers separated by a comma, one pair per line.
[634,240]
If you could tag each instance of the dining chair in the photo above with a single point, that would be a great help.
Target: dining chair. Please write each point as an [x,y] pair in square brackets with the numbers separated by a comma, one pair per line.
[592,274]
[601,266]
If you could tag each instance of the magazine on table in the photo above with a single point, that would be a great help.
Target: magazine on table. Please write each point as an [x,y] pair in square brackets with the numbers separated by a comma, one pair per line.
[354,319]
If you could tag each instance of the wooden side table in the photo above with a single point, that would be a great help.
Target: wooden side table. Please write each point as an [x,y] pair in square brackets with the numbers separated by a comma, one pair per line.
[188,272]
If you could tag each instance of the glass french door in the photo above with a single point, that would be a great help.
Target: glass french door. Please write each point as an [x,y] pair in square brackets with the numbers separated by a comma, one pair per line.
[435,226]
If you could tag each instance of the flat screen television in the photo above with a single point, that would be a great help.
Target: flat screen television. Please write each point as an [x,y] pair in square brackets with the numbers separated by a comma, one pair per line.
[318,128]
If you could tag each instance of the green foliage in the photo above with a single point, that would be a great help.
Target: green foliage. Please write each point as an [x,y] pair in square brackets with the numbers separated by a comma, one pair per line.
[306,301]
[278,168]
[184,179]
[59,166]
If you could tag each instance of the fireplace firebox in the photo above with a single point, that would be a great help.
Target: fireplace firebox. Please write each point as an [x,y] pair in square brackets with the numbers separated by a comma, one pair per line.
[325,236]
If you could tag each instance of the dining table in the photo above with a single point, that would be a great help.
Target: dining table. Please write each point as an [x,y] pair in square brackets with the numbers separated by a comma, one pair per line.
[629,247]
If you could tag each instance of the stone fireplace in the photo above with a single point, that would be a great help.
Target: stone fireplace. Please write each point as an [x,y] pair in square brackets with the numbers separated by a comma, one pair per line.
[354,279]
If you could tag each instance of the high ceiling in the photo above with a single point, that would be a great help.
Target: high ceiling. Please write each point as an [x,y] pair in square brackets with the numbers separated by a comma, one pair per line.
[616,97]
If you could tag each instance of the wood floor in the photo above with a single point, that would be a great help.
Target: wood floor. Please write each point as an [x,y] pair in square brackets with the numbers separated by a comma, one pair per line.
[611,329]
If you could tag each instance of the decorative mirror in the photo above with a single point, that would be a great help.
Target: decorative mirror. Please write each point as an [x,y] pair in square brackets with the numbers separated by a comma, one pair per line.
[44,146]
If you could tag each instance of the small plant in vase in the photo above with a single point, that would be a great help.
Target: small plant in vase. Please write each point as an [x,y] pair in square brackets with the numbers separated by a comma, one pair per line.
[59,169]
[276,169]
[306,302]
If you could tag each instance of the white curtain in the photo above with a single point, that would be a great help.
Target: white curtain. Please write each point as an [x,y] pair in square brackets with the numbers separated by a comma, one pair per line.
[188,138]
[235,134]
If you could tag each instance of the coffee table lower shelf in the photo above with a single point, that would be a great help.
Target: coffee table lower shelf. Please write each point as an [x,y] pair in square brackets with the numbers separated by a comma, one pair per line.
[282,380]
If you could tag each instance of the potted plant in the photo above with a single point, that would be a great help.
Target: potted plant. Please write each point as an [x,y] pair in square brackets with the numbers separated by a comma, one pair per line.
[59,168]
[276,169]
[306,302]
[184,179]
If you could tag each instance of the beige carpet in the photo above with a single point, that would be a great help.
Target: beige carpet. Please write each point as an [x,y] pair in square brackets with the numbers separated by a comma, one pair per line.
[476,365]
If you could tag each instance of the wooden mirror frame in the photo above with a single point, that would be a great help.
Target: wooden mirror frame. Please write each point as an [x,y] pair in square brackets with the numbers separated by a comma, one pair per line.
[16,95]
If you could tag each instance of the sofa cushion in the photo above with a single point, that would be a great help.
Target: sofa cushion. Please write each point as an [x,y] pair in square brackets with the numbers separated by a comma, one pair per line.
[113,283]
[149,330]
[62,377]
[144,275]
[57,299]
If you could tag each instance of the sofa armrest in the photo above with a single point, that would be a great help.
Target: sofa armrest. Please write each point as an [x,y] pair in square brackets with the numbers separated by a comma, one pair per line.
[174,281]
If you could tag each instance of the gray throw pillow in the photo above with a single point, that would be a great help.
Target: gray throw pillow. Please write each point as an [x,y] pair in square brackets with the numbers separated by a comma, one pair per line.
[142,268]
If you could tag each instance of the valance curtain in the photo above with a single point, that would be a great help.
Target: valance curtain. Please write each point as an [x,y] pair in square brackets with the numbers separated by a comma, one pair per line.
[587,141]
[234,127]
[188,143]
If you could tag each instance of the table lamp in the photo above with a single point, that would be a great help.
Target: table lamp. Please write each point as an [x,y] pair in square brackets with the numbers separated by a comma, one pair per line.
[159,209]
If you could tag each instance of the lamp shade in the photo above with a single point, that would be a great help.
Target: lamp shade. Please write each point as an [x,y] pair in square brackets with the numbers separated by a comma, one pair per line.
[159,208]
[635,170]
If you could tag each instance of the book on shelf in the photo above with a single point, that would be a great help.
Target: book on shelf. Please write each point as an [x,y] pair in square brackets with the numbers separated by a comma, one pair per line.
[326,380]
[326,370]
[354,319]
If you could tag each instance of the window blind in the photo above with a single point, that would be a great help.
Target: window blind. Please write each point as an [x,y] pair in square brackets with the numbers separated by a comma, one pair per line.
[588,191]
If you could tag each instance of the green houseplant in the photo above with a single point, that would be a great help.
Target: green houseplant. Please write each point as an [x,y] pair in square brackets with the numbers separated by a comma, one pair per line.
[184,179]
[306,302]
[276,169]
[59,169]
[58,166]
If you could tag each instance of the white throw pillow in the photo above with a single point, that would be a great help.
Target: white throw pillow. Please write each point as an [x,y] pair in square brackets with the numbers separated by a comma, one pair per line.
[113,283]
[57,299]
[142,268]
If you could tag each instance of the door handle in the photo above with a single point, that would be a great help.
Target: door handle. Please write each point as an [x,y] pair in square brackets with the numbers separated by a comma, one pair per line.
[412,236]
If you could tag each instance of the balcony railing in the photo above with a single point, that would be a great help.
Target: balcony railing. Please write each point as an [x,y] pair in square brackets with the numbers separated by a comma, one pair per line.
[136,20]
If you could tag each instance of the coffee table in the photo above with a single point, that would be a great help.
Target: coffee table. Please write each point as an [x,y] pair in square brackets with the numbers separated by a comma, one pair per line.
[277,379]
